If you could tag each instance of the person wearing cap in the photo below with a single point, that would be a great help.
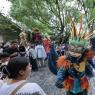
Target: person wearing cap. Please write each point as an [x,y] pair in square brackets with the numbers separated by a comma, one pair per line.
[12,49]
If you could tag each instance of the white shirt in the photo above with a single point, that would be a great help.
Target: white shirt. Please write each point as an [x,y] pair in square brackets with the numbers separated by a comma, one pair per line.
[91,90]
[40,52]
[1,50]
[93,59]
[1,83]
[29,88]
[33,53]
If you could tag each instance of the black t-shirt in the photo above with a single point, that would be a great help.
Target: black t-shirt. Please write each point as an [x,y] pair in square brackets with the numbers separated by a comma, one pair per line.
[10,50]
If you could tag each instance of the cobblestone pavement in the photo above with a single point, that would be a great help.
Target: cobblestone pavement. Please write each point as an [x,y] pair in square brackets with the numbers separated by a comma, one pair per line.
[47,81]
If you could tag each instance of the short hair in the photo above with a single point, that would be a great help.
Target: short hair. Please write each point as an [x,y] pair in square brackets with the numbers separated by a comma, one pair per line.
[13,42]
[21,48]
[35,30]
[14,66]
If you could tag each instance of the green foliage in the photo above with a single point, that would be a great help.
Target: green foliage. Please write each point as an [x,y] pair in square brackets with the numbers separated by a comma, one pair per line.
[26,12]
[51,16]
[89,9]
[47,15]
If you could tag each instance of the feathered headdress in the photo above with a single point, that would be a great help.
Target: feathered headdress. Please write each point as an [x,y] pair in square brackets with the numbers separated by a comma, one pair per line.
[81,37]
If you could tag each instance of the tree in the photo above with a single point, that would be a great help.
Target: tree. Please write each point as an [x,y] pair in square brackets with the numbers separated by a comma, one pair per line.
[47,15]
[89,9]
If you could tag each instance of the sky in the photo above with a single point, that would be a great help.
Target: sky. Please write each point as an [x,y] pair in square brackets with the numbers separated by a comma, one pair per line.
[5,6]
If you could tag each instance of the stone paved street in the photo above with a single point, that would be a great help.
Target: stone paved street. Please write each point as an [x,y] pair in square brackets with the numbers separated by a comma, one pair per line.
[47,81]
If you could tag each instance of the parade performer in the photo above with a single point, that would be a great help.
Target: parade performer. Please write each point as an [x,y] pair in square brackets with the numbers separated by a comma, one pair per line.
[47,44]
[36,36]
[23,38]
[75,68]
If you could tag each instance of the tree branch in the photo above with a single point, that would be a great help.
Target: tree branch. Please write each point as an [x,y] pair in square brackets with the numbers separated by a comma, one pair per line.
[58,7]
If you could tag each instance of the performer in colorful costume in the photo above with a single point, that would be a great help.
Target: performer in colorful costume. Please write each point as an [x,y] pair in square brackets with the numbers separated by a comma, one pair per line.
[75,68]
[47,44]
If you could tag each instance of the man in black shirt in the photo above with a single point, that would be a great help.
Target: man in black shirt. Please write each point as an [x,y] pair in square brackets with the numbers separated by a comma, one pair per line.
[12,49]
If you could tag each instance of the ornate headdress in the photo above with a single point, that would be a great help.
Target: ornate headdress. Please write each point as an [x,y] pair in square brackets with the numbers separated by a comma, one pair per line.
[81,37]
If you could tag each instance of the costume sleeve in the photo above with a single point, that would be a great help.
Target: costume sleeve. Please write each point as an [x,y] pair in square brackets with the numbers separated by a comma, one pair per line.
[60,78]
[62,65]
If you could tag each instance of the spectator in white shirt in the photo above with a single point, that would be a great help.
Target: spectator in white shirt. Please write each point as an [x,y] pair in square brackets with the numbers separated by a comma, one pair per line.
[41,54]
[18,69]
